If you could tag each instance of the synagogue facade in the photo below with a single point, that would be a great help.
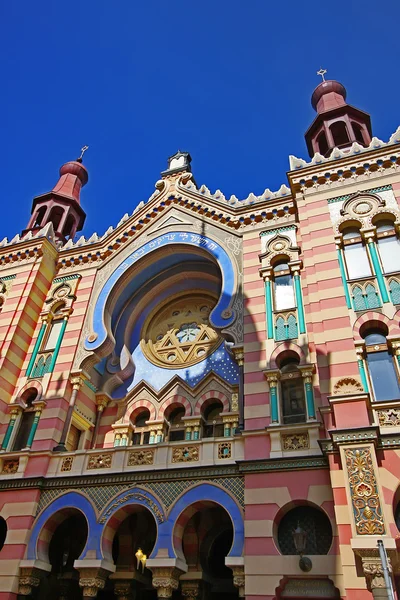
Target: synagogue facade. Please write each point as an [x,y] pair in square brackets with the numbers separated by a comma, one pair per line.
[204,401]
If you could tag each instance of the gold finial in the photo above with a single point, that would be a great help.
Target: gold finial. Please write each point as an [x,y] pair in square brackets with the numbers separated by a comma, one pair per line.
[83,150]
[322,73]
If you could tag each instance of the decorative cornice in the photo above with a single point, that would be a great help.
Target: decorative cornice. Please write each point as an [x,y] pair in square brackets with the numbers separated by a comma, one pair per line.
[194,473]
[354,436]
[283,464]
[345,170]
[356,149]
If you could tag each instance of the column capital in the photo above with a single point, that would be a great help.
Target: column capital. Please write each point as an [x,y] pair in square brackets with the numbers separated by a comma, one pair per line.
[272,376]
[77,379]
[295,267]
[266,273]
[191,589]
[239,579]
[166,580]
[92,578]
[238,353]
[29,578]
[102,401]
[373,571]
[368,234]
[123,589]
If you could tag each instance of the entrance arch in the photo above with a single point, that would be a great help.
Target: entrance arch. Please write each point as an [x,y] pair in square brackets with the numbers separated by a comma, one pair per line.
[52,516]
[195,499]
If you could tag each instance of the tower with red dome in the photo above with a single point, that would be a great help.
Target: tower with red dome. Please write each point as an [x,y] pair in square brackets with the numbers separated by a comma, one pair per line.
[337,124]
[61,206]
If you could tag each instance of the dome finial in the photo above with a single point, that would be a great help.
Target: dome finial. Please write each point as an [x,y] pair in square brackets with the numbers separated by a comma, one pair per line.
[83,150]
[322,72]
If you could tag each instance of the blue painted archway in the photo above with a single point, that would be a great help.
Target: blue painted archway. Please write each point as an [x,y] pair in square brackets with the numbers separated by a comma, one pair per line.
[221,316]
[53,515]
[204,492]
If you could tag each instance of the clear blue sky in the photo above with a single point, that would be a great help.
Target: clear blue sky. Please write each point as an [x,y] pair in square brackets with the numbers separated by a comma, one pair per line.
[228,80]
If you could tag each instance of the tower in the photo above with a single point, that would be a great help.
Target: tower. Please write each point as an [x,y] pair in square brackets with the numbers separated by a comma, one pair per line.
[337,124]
[61,206]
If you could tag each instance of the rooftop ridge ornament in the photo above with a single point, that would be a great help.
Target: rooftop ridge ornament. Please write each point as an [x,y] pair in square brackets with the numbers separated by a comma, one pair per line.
[322,73]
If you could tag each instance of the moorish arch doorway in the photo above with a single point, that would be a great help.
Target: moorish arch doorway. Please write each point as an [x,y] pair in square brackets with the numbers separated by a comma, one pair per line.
[204,536]
[130,536]
[67,533]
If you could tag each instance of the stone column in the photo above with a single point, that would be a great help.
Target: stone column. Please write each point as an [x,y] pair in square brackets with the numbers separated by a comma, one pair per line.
[373,572]
[15,410]
[102,402]
[272,378]
[76,380]
[29,578]
[123,589]
[166,580]
[238,579]
[91,580]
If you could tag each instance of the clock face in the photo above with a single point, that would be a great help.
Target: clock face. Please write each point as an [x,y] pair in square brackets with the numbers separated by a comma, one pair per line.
[179,333]
[188,332]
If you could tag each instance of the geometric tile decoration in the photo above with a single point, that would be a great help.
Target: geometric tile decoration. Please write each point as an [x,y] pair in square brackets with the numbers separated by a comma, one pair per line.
[166,491]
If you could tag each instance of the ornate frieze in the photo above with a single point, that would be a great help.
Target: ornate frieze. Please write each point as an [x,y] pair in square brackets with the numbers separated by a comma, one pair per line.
[100,461]
[347,385]
[185,454]
[133,496]
[224,450]
[364,493]
[66,464]
[389,417]
[140,457]
[10,466]
[295,441]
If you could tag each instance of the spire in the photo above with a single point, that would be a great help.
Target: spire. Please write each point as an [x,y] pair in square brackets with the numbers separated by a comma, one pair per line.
[61,206]
[337,124]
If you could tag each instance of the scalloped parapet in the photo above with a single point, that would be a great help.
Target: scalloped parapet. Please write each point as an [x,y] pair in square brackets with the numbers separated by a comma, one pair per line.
[298,163]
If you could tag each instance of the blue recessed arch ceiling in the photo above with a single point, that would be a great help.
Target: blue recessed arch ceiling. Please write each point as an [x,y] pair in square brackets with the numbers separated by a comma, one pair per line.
[220,317]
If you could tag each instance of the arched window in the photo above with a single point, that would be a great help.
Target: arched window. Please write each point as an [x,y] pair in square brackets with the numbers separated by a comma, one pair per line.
[388,246]
[293,403]
[141,433]
[365,298]
[286,329]
[339,133]
[26,420]
[381,366]
[55,216]
[283,286]
[53,332]
[69,226]
[355,253]
[358,133]
[394,288]
[322,143]
[314,523]
[177,426]
[213,426]
[39,216]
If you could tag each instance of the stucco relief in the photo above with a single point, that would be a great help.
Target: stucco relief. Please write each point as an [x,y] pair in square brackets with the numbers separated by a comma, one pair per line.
[362,206]
[365,500]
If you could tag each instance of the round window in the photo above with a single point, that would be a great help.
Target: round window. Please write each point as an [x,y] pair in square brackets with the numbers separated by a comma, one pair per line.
[179,333]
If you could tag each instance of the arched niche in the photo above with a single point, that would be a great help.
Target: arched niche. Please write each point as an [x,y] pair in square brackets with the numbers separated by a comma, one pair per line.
[135,270]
